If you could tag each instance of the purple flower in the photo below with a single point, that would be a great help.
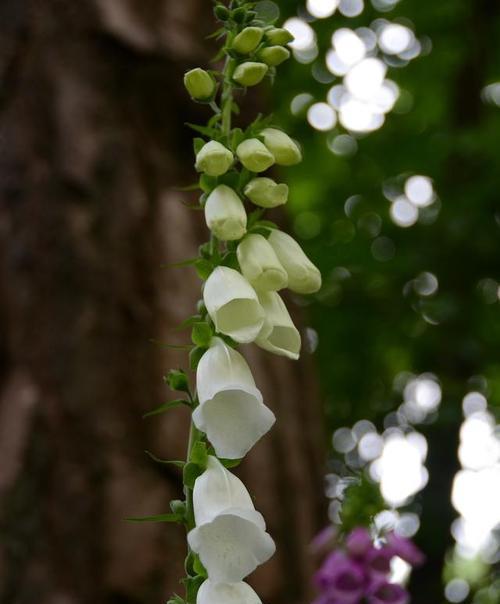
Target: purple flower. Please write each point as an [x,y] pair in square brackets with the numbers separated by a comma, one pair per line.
[387,593]
[358,542]
[405,549]
[341,579]
[324,538]
[378,560]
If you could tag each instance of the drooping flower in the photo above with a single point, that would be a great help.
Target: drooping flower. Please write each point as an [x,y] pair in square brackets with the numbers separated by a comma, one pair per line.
[405,549]
[383,592]
[250,73]
[226,593]
[358,542]
[225,214]
[200,84]
[231,411]
[286,151]
[214,159]
[266,193]
[233,305]
[254,155]
[341,578]
[247,40]
[230,535]
[260,265]
[303,276]
[378,560]
[278,335]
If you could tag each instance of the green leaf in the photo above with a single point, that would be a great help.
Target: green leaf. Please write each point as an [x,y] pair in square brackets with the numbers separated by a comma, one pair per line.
[207,183]
[191,473]
[237,137]
[157,518]
[188,262]
[187,188]
[205,130]
[203,268]
[192,585]
[166,407]
[198,144]
[178,464]
[195,355]
[198,568]
[201,334]
[177,600]
[199,454]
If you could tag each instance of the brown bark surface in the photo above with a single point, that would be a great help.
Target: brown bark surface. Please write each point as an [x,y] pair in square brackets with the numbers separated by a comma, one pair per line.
[92,142]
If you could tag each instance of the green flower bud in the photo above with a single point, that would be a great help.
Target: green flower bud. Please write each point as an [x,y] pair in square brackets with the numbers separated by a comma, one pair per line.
[279,36]
[199,84]
[274,55]
[250,73]
[214,159]
[248,40]
[239,15]
[222,13]
[286,152]
[264,192]
[254,155]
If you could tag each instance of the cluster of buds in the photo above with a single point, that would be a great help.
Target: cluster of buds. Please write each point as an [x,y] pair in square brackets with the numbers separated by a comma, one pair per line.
[360,571]
[246,263]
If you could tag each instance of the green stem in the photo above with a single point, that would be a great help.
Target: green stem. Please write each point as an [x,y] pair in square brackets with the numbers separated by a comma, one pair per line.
[194,435]
[227,97]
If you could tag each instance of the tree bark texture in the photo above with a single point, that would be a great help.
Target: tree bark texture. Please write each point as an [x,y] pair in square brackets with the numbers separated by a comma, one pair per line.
[92,144]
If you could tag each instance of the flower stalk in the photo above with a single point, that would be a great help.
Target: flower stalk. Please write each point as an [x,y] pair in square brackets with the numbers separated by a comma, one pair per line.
[242,268]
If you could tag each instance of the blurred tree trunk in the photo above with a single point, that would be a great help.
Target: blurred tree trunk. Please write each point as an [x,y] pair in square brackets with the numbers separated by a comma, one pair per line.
[92,142]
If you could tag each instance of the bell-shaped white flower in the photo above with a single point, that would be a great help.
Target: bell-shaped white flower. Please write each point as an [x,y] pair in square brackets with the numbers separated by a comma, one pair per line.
[225,214]
[233,305]
[266,193]
[279,334]
[214,159]
[303,276]
[230,535]
[260,265]
[286,151]
[226,593]
[231,411]
[254,155]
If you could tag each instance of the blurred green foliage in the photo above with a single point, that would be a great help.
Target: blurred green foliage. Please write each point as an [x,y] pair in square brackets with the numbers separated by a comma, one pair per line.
[371,321]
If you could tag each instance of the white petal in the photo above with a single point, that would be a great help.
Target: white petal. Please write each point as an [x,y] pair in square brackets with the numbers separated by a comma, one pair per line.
[218,490]
[260,265]
[233,305]
[226,593]
[231,411]
[231,546]
[279,334]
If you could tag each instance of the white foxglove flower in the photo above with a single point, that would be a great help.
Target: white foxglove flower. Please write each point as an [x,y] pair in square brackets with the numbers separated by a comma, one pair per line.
[225,214]
[260,265]
[254,155]
[303,276]
[231,411]
[266,193]
[214,159]
[279,334]
[230,535]
[233,305]
[226,593]
[286,151]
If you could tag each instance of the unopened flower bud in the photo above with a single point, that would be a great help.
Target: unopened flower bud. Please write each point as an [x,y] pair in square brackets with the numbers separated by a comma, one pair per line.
[254,155]
[225,214]
[279,36]
[250,73]
[286,151]
[260,265]
[278,334]
[303,276]
[214,159]
[221,12]
[266,193]
[200,84]
[248,40]
[274,55]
